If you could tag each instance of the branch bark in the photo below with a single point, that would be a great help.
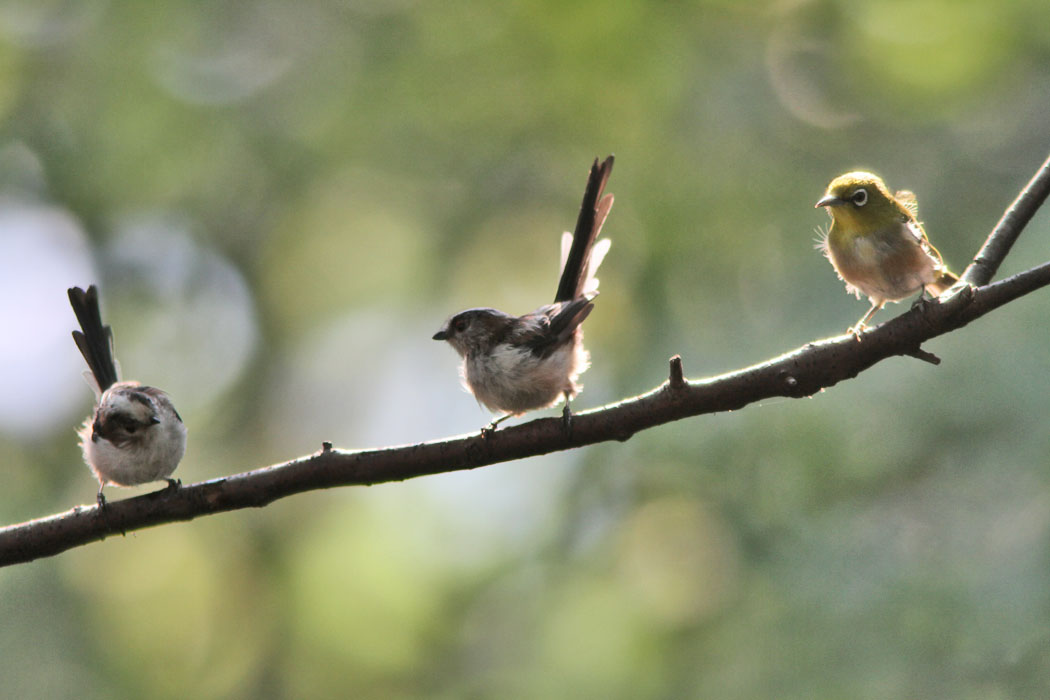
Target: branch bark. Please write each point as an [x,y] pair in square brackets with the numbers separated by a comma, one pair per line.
[1015,218]
[799,373]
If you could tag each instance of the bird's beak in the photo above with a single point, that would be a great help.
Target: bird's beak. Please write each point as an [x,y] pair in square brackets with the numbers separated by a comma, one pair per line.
[441,334]
[829,200]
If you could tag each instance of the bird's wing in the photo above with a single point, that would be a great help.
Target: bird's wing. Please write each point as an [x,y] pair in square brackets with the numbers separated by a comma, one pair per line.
[908,200]
[549,327]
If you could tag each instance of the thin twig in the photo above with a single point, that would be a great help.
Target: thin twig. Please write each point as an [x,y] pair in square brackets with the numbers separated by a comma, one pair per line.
[986,263]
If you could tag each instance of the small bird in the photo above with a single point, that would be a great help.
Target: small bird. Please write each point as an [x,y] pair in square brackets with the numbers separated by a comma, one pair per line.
[135,435]
[877,245]
[514,364]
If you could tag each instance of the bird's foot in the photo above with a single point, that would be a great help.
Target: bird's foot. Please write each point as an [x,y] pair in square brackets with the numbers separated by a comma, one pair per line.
[489,429]
[566,419]
[922,302]
[856,331]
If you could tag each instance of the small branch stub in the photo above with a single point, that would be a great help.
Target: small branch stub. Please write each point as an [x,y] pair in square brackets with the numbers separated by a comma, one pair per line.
[925,356]
[677,378]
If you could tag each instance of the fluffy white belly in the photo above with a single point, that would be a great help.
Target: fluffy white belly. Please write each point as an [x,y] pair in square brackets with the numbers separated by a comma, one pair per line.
[513,380]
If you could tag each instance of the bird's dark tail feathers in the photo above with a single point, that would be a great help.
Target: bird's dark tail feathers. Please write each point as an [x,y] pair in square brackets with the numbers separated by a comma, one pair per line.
[96,340]
[593,211]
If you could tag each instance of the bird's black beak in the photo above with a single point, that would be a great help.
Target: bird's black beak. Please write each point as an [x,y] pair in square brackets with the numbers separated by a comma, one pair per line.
[829,200]
[441,335]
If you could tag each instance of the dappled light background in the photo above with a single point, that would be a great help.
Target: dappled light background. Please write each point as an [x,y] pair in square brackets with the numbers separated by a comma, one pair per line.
[281,202]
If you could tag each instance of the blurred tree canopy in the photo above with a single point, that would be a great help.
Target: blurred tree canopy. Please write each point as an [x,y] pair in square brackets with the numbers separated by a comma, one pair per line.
[281,202]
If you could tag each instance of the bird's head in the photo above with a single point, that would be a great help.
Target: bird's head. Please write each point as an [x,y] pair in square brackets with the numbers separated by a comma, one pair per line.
[475,330]
[861,200]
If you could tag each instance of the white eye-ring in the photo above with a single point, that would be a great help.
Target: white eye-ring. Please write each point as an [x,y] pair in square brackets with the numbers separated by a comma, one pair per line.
[860,197]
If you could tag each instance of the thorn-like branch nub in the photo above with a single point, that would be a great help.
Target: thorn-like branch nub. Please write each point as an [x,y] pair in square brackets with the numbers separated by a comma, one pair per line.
[920,354]
[677,378]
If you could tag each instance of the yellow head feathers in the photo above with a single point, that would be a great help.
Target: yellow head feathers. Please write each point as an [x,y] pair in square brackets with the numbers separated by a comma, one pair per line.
[861,199]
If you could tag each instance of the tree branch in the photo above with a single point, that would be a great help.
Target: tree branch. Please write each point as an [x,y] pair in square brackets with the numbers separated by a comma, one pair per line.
[1017,215]
[801,372]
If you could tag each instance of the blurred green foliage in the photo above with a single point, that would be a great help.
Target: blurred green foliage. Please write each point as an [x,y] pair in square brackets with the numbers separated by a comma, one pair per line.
[282,201]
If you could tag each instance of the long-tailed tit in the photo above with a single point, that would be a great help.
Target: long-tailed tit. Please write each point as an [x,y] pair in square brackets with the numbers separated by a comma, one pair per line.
[514,364]
[135,435]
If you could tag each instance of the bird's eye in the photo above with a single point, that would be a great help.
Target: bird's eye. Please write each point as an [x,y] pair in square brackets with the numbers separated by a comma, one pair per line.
[860,197]
[460,325]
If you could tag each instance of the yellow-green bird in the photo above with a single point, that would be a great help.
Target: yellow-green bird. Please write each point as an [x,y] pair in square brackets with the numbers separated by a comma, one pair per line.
[877,245]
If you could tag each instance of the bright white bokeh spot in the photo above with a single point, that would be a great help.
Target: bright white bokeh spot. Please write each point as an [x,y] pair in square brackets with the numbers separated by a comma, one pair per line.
[183,317]
[43,23]
[189,318]
[231,55]
[43,251]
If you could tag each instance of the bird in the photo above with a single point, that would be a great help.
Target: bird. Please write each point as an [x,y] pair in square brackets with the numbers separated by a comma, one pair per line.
[877,245]
[514,364]
[134,435]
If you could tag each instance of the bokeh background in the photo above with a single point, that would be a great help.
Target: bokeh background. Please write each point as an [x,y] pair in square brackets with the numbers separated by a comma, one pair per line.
[281,202]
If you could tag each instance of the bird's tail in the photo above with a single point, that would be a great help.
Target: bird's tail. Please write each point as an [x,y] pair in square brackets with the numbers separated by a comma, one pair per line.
[577,269]
[96,340]
[944,280]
